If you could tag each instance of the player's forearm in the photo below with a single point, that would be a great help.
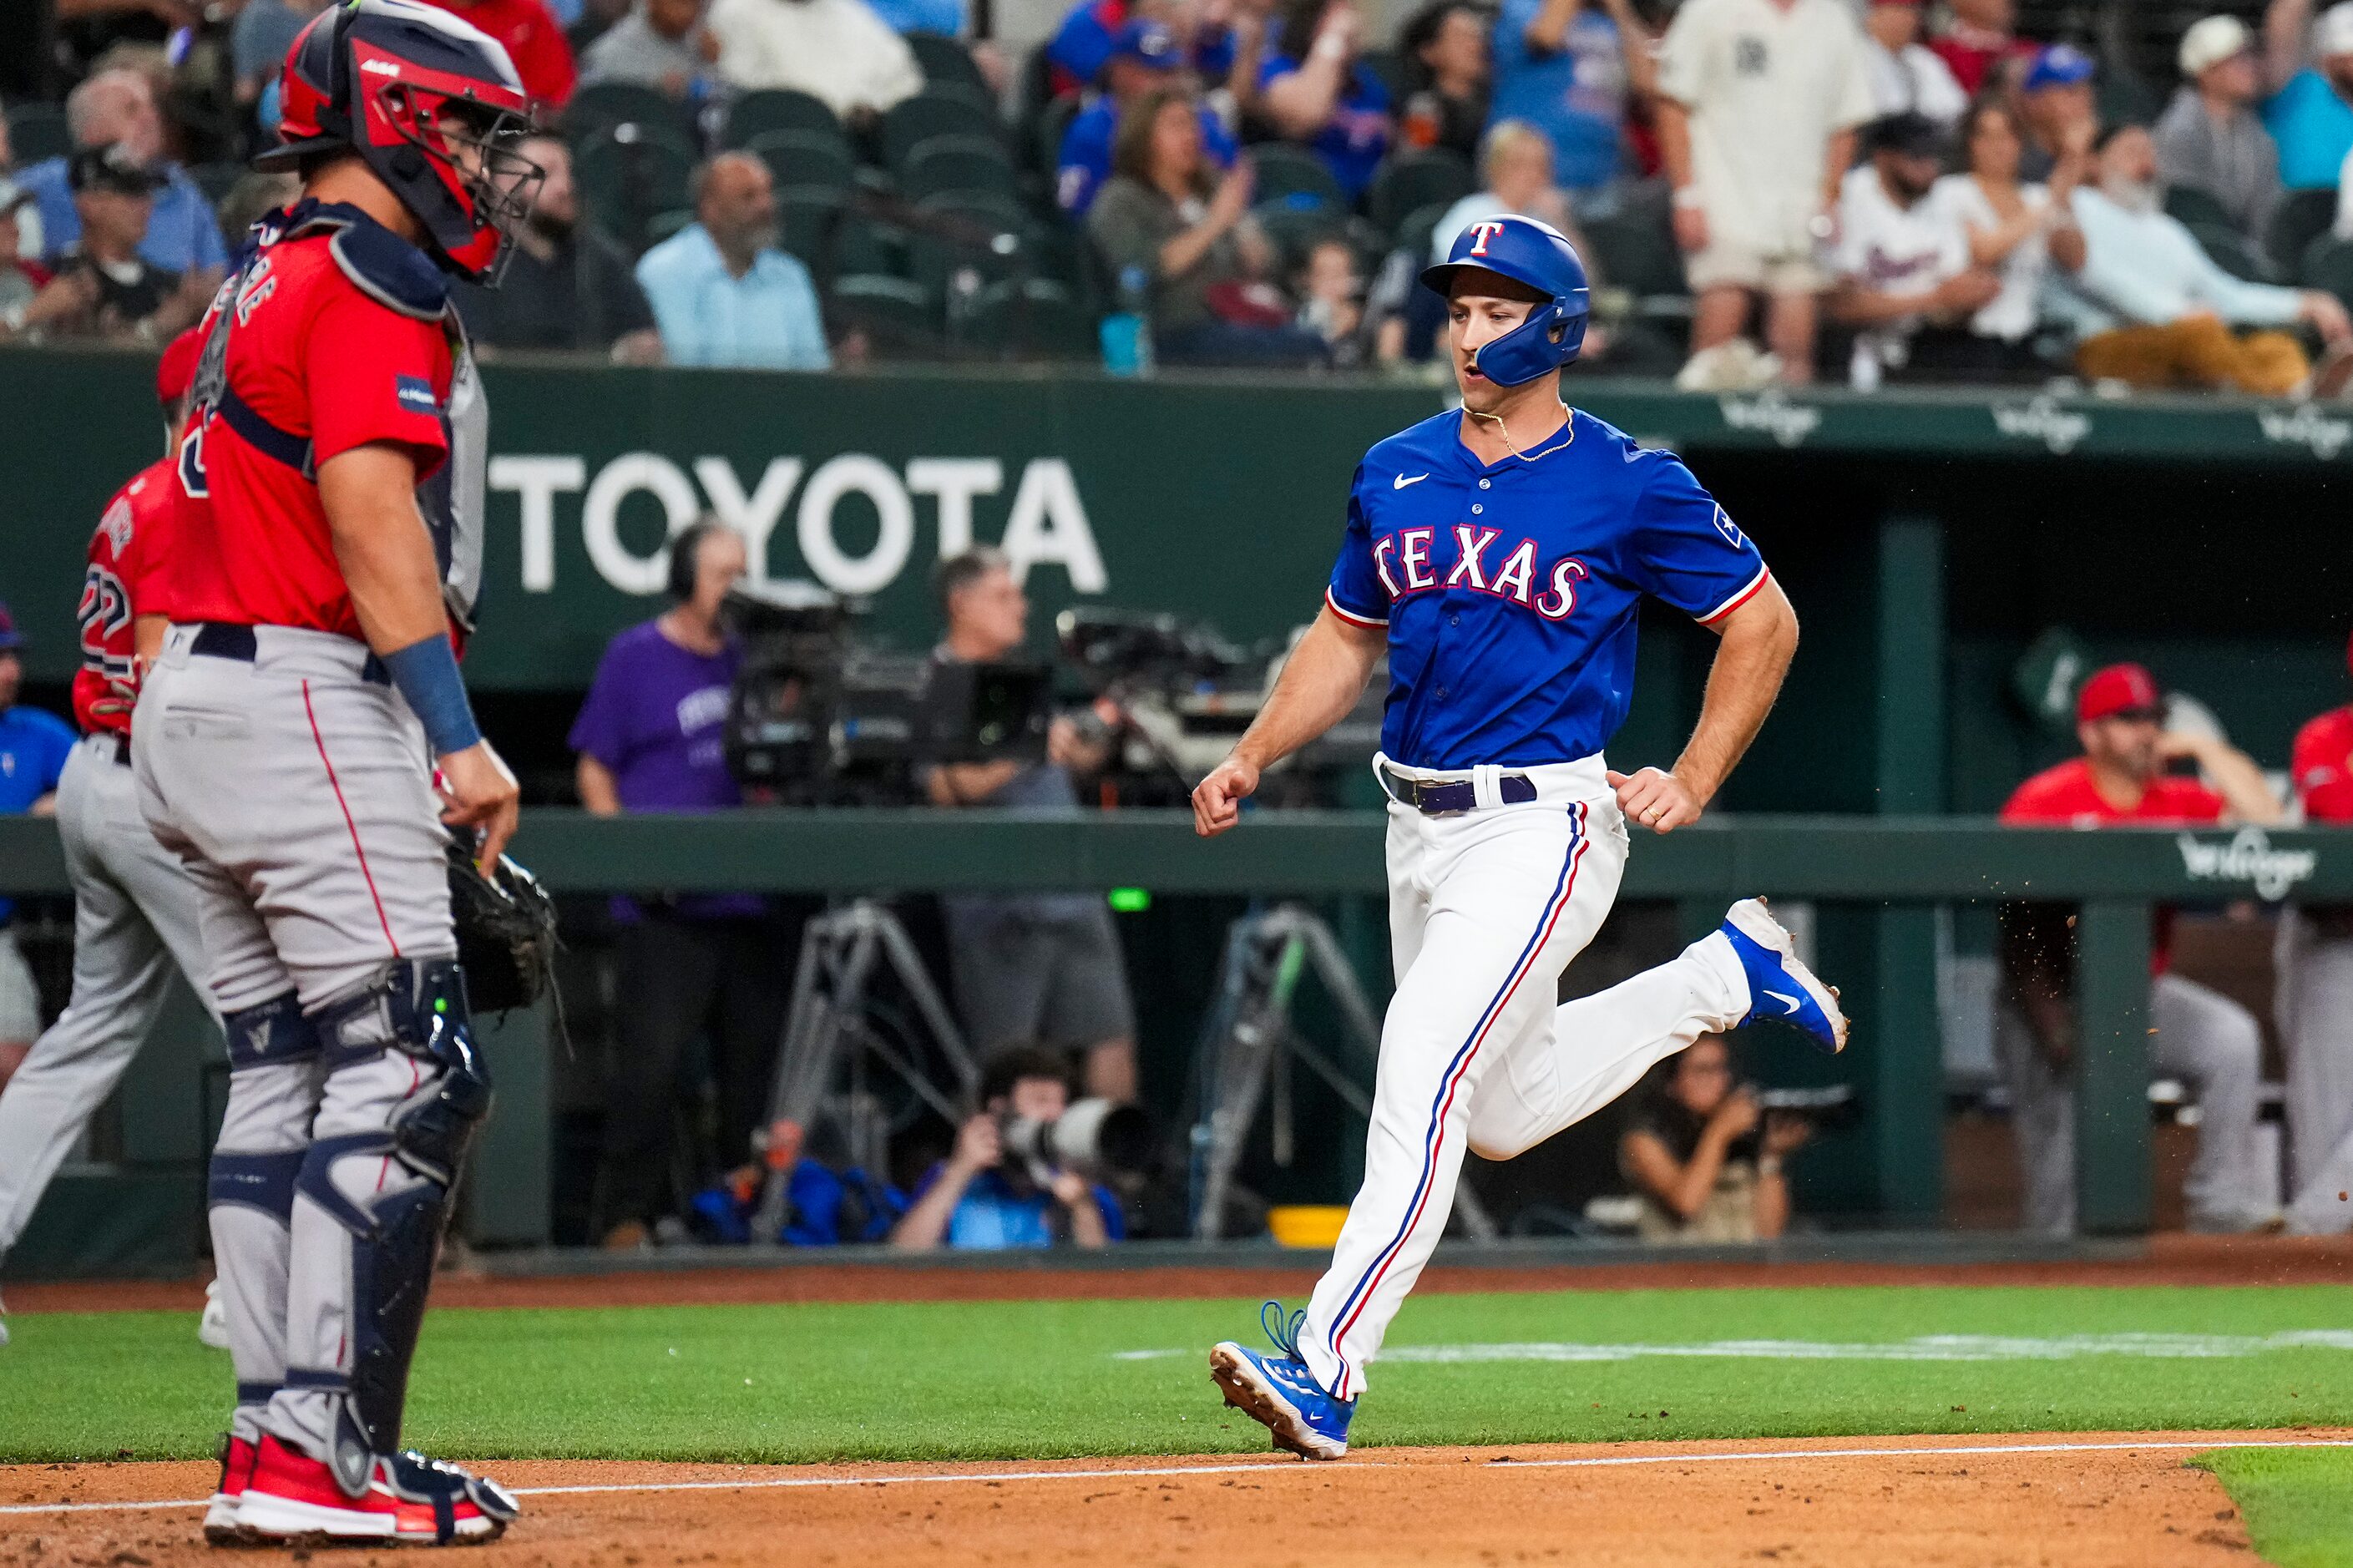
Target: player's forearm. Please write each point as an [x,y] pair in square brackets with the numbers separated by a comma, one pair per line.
[1320,685]
[1760,637]
[1772,1205]
[598,792]
[1550,26]
[2242,785]
[926,1224]
[1087,1228]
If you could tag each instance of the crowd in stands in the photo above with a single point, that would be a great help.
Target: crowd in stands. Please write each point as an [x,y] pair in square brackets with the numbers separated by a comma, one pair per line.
[1764,190]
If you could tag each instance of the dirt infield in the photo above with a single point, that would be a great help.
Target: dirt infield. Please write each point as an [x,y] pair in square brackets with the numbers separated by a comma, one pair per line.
[2168,1261]
[2085,1500]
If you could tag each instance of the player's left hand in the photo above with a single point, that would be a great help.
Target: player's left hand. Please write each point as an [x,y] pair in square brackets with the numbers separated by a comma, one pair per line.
[1655,799]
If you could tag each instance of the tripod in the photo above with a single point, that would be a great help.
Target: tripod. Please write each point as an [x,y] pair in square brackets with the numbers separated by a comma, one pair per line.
[1248,1044]
[828,1025]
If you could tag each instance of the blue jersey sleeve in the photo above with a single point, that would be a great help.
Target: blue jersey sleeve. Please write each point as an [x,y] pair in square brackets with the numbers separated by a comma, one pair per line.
[1356,594]
[1686,550]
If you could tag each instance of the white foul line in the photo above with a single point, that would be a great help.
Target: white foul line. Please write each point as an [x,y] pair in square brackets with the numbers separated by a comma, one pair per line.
[1501,1463]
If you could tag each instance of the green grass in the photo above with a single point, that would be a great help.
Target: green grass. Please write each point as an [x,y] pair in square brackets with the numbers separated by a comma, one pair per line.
[2298,1502]
[981,1380]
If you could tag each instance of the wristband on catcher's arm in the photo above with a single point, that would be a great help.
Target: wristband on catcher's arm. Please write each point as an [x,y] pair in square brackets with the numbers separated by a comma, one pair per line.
[426,672]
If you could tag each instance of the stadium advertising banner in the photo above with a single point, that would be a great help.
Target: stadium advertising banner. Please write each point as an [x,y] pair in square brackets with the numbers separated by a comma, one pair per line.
[1215,498]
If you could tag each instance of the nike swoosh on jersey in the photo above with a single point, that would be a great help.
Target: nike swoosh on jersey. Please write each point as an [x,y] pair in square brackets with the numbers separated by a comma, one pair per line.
[1402,481]
[1791,1002]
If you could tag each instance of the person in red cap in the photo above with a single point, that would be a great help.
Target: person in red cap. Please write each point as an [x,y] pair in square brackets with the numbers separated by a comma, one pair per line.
[134,906]
[2199,1034]
[2315,998]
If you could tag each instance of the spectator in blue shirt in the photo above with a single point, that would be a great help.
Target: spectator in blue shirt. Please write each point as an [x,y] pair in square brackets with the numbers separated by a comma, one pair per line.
[1083,44]
[981,1199]
[2310,114]
[723,293]
[1315,92]
[1146,60]
[119,107]
[34,746]
[1564,66]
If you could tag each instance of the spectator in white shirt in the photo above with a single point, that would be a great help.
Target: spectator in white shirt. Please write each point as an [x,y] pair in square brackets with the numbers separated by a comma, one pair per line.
[839,50]
[1760,102]
[1905,74]
[2150,308]
[2021,231]
[1904,275]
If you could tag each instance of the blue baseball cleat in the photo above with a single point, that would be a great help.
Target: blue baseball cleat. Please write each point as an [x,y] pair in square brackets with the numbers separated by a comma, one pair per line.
[1280,1394]
[1779,987]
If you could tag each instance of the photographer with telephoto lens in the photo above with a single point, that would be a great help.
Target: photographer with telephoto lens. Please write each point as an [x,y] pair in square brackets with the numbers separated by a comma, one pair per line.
[1010,1181]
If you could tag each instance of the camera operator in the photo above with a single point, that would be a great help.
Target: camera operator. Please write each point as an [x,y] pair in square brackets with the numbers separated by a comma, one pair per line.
[1704,1159]
[649,738]
[1028,966]
[983,1197]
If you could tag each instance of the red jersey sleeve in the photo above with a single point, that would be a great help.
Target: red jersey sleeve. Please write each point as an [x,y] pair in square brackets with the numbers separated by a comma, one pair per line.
[2322,766]
[375,375]
[2182,800]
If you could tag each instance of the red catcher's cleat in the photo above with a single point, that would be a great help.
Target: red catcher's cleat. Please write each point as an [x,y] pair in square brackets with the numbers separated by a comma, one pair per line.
[293,1499]
[236,1469]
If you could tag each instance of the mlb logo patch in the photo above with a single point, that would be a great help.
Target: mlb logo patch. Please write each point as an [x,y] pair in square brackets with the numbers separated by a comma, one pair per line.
[415,394]
[1730,530]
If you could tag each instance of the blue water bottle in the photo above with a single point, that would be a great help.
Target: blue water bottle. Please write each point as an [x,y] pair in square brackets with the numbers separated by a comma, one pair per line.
[1127,332]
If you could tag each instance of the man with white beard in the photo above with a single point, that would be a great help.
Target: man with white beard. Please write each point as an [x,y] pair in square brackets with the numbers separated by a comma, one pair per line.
[2152,310]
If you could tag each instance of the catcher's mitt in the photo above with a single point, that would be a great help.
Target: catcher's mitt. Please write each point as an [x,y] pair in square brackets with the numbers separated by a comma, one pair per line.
[506,932]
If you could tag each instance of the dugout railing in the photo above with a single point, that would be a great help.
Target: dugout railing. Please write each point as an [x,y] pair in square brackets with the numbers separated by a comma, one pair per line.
[1895,870]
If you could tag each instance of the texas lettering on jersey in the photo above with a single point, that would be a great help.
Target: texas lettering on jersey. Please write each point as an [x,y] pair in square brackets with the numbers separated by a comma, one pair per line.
[1510,590]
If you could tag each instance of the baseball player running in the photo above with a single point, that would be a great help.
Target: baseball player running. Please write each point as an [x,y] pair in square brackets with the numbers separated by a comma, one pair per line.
[134,907]
[304,735]
[1499,555]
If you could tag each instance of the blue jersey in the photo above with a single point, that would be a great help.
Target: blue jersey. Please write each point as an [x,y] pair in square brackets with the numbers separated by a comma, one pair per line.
[1085,162]
[34,746]
[1509,589]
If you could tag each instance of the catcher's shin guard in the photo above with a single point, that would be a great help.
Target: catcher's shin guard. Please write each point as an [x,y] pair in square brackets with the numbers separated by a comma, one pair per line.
[417,1009]
[249,1190]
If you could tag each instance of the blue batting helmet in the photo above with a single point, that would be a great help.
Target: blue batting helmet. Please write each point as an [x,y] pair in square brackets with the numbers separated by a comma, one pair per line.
[1540,257]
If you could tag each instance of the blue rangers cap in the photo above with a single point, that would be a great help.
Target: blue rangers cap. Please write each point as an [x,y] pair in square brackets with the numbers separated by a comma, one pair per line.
[1539,256]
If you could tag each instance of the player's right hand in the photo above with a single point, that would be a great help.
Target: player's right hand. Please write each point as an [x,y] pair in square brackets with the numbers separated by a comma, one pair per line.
[480,793]
[1217,799]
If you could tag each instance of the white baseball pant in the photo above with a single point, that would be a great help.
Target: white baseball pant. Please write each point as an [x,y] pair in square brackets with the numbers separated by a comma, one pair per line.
[1486,908]
[2314,1012]
[299,791]
[134,920]
[2198,1035]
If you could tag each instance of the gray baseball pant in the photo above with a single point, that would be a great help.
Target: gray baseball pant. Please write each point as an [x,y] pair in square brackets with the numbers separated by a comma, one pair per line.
[2314,1012]
[134,920]
[298,790]
[2200,1036]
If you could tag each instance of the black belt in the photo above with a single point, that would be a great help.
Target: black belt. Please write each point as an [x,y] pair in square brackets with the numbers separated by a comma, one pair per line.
[119,747]
[1439,799]
[225,639]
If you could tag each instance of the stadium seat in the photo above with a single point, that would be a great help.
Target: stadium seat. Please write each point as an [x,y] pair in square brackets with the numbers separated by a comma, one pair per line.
[2192,207]
[916,121]
[1419,225]
[998,243]
[945,60]
[2233,252]
[804,158]
[662,224]
[1053,123]
[38,131]
[2301,218]
[777,109]
[1416,179]
[2328,265]
[1032,318]
[1635,250]
[1390,66]
[1294,230]
[216,180]
[946,164]
[602,105]
[1294,176]
[898,318]
[628,175]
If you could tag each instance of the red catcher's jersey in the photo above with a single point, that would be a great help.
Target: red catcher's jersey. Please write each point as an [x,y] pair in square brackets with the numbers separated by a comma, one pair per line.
[320,359]
[130,539]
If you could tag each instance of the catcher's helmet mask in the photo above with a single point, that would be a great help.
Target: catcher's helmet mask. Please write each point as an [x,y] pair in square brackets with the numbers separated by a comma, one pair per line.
[432,106]
[1540,259]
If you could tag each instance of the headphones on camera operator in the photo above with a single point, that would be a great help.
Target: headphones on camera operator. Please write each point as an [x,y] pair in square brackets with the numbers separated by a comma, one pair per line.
[686,557]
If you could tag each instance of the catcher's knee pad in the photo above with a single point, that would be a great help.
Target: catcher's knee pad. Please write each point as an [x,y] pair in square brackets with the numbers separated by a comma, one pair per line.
[418,1008]
[269,1034]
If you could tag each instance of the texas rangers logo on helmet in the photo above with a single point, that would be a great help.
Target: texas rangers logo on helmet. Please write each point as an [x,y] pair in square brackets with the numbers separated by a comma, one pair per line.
[1485,232]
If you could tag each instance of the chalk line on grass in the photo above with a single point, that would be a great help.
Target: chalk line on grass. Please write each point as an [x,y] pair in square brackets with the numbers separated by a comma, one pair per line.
[1925,1347]
[1501,1463]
